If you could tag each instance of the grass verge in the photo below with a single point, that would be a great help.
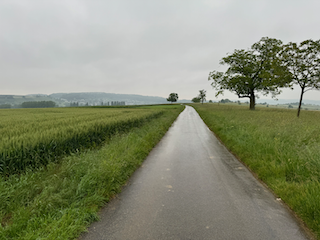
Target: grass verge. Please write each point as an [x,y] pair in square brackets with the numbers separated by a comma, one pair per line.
[283,150]
[61,200]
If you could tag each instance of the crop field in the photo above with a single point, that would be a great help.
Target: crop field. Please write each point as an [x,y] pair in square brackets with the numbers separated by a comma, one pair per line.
[283,150]
[59,199]
[31,138]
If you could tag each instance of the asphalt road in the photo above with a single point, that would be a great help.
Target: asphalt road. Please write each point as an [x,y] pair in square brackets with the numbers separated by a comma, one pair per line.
[191,187]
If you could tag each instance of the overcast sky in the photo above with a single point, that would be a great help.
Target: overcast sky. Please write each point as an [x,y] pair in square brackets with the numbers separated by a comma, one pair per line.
[139,46]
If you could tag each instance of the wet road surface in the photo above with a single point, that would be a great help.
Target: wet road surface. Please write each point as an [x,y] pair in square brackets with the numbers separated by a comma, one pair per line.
[191,187]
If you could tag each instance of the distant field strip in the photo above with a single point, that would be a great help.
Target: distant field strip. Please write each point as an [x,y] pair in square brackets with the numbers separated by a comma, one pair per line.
[283,150]
[33,137]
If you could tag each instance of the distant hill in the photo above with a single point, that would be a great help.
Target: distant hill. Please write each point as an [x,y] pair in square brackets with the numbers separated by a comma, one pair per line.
[81,99]
[96,98]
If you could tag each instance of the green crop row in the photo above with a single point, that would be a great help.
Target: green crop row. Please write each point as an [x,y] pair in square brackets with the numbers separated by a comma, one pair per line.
[33,138]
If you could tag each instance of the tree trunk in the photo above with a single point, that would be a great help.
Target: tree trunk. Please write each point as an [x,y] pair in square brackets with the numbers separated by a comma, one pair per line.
[252,101]
[300,102]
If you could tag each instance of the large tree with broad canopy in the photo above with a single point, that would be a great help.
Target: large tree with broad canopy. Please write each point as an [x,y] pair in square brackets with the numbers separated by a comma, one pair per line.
[258,69]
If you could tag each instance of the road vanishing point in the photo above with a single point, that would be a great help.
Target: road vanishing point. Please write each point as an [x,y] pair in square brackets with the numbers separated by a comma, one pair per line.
[191,187]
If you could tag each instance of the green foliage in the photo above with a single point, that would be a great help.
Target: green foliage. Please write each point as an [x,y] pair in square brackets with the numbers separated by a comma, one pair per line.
[225,101]
[33,138]
[202,95]
[59,201]
[250,71]
[173,97]
[303,63]
[38,104]
[196,100]
[280,148]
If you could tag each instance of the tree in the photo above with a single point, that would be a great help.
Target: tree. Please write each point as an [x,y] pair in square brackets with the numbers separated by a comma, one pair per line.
[202,95]
[250,71]
[303,63]
[74,104]
[173,97]
[196,100]
[225,100]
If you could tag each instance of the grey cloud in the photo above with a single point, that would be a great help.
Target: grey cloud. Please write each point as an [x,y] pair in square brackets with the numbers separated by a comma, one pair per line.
[142,47]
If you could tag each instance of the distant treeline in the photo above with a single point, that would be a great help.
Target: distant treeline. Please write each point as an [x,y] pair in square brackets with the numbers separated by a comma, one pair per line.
[38,104]
[5,106]
[296,103]
[225,101]
[112,103]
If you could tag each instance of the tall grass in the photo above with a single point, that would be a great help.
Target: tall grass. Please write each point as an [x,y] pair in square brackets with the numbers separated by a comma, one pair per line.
[282,149]
[30,138]
[59,201]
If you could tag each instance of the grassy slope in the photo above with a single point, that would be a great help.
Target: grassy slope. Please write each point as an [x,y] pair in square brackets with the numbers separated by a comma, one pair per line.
[60,201]
[282,149]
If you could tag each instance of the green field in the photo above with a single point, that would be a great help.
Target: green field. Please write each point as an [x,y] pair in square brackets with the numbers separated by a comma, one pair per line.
[30,138]
[61,194]
[58,198]
[283,150]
